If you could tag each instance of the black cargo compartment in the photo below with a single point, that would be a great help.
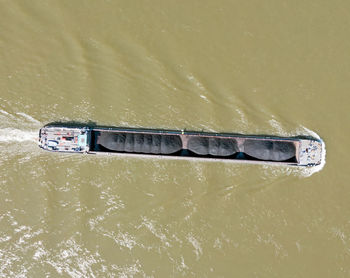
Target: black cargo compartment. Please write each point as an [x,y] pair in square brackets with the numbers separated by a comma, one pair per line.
[136,142]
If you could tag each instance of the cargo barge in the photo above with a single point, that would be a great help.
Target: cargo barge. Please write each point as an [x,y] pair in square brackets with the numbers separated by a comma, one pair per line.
[181,144]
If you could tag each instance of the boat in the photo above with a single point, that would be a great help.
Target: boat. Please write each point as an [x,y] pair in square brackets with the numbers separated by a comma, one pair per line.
[181,144]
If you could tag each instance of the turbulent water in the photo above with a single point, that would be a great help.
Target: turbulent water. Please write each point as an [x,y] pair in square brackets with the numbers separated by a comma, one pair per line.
[232,66]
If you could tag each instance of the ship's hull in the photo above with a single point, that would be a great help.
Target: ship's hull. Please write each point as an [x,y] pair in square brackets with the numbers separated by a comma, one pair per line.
[174,144]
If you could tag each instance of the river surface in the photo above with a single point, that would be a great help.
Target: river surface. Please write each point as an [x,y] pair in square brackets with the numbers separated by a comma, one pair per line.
[253,67]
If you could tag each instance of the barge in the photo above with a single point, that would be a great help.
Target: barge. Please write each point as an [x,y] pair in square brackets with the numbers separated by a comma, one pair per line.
[181,144]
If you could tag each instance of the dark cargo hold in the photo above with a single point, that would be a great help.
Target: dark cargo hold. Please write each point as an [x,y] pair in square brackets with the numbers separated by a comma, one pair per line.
[139,143]
[269,150]
[212,146]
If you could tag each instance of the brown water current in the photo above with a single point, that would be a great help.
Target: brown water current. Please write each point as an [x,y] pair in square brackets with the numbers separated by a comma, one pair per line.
[254,67]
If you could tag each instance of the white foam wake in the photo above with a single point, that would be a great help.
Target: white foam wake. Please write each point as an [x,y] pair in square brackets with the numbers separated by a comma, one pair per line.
[29,118]
[18,127]
[9,135]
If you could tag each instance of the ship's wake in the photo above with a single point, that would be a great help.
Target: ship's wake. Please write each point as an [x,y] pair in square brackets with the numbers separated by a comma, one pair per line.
[18,134]
[12,135]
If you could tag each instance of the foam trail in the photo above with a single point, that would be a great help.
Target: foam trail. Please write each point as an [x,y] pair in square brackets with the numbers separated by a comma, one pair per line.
[30,118]
[278,127]
[9,135]
[4,112]
[7,115]
[310,132]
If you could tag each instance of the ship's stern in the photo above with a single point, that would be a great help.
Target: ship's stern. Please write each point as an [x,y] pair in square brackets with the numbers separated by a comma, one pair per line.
[64,139]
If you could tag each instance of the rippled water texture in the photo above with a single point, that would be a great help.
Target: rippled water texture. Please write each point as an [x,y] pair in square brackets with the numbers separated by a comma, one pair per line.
[251,67]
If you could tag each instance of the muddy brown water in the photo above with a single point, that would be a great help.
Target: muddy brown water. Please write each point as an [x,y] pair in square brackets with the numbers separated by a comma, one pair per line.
[253,67]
